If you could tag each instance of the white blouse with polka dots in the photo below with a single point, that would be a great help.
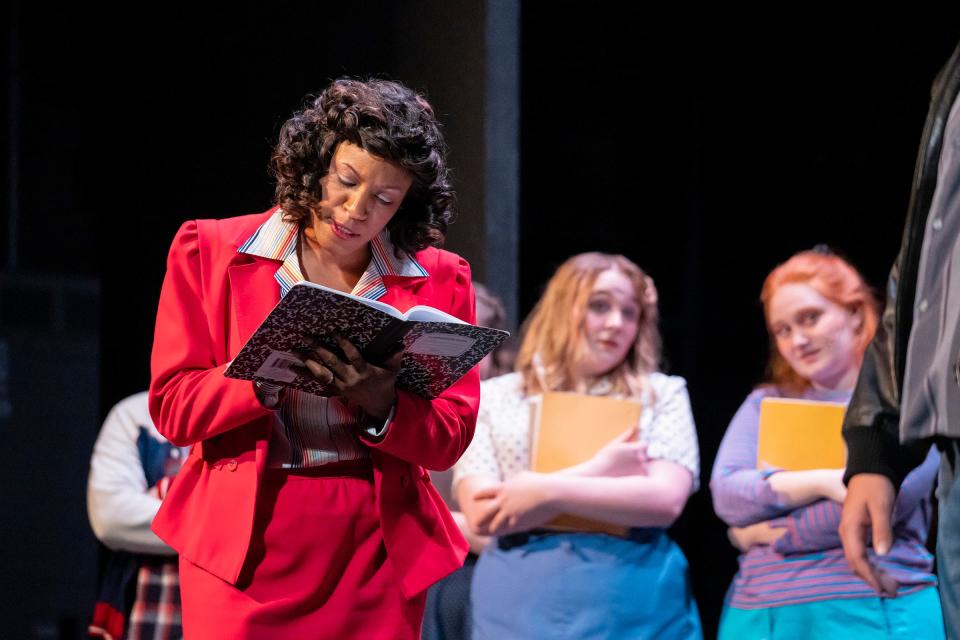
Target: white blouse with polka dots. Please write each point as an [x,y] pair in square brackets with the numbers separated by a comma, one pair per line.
[501,444]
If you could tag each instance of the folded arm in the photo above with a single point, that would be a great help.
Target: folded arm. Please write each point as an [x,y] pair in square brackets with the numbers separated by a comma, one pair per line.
[810,528]
[654,499]
[120,505]
[530,499]
[744,495]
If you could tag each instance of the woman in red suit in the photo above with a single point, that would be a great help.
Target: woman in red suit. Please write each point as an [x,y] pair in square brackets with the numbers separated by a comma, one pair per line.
[297,516]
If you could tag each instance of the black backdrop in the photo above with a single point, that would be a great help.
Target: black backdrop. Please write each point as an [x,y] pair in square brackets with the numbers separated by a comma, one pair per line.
[705,146]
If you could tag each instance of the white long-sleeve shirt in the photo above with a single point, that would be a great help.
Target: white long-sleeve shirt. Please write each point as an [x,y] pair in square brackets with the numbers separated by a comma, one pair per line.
[120,505]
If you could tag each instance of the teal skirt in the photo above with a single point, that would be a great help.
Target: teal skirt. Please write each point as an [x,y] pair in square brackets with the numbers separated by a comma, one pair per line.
[915,617]
[580,585]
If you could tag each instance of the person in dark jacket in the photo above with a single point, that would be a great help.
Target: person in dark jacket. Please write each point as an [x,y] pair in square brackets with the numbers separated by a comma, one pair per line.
[908,395]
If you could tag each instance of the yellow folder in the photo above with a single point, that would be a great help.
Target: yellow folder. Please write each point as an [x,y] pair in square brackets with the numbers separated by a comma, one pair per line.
[570,428]
[801,434]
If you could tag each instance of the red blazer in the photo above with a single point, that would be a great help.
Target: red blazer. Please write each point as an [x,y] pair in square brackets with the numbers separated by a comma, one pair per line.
[212,300]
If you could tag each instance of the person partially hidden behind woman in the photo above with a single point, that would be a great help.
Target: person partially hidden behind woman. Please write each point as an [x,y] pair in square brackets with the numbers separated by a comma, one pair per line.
[794,581]
[297,516]
[138,590]
[595,332]
[447,612]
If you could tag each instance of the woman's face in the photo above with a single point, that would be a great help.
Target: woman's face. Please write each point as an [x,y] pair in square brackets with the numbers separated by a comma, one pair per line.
[610,323]
[361,193]
[817,337]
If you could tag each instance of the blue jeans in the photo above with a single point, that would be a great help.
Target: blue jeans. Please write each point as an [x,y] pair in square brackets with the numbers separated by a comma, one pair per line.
[948,538]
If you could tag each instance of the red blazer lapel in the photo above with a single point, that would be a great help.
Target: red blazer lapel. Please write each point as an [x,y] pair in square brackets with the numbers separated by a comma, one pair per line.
[255,293]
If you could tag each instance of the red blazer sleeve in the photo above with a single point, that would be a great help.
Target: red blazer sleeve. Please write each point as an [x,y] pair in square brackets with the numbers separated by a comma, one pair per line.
[435,433]
[190,399]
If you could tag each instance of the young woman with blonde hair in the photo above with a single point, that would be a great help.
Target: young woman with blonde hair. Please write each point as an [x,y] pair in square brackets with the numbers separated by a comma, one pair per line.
[794,581]
[594,332]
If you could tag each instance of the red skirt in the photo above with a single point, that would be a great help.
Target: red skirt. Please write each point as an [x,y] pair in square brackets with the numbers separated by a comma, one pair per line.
[317,568]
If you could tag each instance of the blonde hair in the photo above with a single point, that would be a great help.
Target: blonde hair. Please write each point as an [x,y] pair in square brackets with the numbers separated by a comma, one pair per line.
[836,280]
[551,348]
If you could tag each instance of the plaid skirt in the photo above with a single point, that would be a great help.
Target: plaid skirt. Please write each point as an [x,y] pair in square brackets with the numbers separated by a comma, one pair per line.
[156,610]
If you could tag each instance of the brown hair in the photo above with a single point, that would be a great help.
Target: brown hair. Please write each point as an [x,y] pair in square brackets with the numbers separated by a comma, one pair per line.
[490,311]
[385,119]
[551,346]
[836,280]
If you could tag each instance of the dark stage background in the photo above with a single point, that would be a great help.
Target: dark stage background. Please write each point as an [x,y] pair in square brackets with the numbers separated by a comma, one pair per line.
[707,147]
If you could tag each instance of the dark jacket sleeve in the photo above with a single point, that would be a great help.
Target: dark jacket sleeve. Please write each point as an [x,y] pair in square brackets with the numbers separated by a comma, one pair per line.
[871,427]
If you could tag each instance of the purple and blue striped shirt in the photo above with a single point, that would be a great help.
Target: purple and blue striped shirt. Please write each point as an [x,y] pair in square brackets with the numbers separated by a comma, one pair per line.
[807,564]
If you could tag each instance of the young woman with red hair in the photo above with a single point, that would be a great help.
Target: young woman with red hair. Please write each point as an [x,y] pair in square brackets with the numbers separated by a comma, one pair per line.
[794,581]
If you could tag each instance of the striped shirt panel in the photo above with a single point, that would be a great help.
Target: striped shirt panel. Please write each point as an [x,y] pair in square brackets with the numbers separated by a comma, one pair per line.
[807,563]
[310,430]
[810,528]
[770,579]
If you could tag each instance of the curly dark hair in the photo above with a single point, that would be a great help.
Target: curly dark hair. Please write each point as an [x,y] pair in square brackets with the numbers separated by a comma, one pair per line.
[387,120]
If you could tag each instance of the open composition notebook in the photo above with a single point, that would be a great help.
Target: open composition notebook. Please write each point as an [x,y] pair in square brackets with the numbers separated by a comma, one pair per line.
[569,428]
[438,349]
[801,434]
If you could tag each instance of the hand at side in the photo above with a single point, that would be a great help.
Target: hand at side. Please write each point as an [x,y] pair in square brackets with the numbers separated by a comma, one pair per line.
[866,515]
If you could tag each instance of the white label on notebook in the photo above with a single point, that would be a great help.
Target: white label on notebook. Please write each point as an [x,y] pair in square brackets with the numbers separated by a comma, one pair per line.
[280,366]
[441,344]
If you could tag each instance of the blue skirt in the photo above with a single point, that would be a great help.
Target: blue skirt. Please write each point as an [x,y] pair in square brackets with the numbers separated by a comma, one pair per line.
[584,585]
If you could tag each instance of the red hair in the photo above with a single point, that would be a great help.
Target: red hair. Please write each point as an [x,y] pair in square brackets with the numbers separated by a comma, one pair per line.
[836,280]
